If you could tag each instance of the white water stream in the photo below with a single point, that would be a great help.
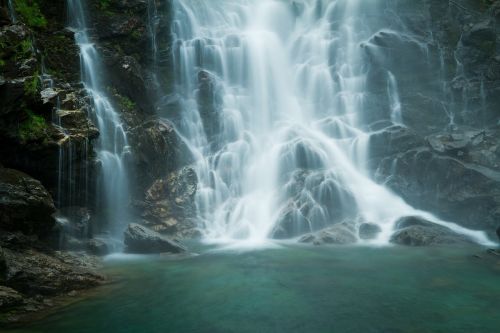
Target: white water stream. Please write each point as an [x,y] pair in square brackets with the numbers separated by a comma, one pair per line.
[289,82]
[112,147]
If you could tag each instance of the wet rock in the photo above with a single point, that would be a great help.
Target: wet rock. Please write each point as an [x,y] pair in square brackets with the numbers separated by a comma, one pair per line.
[416,231]
[34,272]
[157,150]
[3,266]
[9,298]
[369,231]
[210,102]
[312,200]
[25,205]
[498,233]
[456,188]
[139,239]
[392,140]
[98,247]
[169,206]
[340,234]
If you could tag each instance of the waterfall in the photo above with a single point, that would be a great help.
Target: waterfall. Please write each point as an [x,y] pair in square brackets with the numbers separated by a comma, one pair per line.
[395,102]
[112,146]
[12,11]
[274,109]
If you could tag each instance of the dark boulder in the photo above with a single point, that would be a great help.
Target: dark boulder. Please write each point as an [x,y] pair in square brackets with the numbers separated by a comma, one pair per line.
[25,205]
[498,233]
[139,239]
[158,150]
[416,231]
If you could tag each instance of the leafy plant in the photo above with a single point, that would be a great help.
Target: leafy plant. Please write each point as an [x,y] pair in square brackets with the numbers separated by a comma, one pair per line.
[29,11]
[33,128]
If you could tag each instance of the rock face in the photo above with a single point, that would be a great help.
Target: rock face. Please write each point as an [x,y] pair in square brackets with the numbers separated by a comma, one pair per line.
[456,176]
[169,206]
[444,158]
[31,273]
[25,205]
[139,239]
[415,231]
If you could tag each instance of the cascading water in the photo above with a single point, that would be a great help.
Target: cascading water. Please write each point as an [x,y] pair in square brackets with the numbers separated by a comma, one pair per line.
[12,12]
[275,110]
[112,146]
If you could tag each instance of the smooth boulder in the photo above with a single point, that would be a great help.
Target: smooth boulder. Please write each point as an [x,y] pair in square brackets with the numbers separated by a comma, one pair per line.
[341,234]
[139,239]
[416,231]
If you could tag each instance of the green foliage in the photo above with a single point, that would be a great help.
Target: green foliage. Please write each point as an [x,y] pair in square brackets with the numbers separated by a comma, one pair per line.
[31,86]
[126,102]
[104,4]
[33,128]
[29,11]
[136,34]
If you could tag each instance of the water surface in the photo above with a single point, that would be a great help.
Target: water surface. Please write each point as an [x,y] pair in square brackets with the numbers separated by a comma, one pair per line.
[293,289]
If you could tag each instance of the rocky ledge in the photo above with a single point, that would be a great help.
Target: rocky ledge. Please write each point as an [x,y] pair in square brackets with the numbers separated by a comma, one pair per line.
[32,273]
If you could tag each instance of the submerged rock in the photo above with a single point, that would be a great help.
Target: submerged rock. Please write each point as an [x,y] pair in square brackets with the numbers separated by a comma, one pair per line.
[139,239]
[416,231]
[368,231]
[341,234]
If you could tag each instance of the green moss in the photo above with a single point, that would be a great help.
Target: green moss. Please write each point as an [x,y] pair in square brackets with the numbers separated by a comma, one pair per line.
[136,34]
[104,4]
[33,128]
[32,86]
[126,102]
[29,11]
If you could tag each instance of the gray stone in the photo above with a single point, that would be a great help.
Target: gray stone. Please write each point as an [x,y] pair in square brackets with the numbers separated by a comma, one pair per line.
[139,239]
[341,234]
[415,231]
[98,247]
[369,230]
